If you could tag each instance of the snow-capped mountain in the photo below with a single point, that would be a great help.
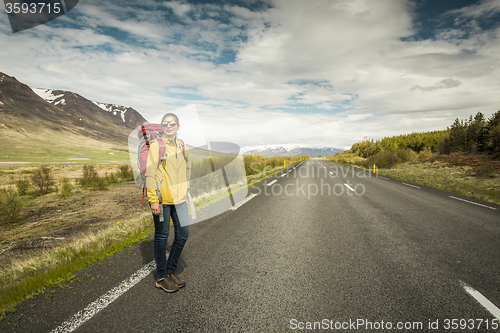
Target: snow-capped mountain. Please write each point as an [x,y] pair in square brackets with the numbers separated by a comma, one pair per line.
[66,100]
[289,150]
[63,114]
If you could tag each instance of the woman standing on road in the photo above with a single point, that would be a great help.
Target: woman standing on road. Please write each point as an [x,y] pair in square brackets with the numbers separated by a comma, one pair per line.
[167,190]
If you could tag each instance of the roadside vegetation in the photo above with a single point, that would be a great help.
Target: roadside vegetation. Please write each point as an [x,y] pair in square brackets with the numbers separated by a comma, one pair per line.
[29,198]
[463,159]
[37,202]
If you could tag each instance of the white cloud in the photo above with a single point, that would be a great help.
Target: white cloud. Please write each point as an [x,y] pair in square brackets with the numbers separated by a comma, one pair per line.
[346,59]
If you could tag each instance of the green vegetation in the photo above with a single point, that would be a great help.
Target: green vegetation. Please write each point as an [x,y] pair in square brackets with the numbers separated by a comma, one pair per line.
[25,278]
[10,205]
[23,186]
[473,135]
[258,164]
[33,276]
[460,159]
[42,180]
[480,181]
[47,146]
[66,187]
[91,179]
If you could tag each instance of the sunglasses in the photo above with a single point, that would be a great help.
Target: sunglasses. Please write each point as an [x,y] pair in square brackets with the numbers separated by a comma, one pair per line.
[171,123]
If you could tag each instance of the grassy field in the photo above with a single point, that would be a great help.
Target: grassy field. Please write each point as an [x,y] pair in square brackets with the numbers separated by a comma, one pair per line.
[474,176]
[49,147]
[464,180]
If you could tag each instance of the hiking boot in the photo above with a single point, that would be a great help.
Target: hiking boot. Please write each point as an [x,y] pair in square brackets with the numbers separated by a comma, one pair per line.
[167,283]
[178,281]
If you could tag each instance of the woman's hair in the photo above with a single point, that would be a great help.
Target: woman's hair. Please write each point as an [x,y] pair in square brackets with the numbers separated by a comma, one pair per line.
[170,114]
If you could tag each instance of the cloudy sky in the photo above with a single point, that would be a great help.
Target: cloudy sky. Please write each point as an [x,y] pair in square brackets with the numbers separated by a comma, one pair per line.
[313,73]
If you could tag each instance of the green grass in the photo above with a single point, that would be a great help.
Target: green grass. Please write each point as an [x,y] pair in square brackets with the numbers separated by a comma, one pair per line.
[59,149]
[32,277]
[454,179]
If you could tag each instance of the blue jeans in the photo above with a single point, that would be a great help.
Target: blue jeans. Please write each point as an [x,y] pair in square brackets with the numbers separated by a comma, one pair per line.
[179,213]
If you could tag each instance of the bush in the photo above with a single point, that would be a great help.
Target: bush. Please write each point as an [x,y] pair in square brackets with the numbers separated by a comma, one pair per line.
[99,183]
[89,175]
[384,159]
[42,180]
[90,178]
[126,172]
[10,205]
[66,187]
[23,186]
[425,154]
[406,155]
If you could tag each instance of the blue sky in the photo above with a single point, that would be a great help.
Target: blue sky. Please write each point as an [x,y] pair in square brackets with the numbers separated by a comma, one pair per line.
[312,73]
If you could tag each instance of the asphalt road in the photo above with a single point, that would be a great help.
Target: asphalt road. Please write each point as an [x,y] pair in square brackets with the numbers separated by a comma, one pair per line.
[323,245]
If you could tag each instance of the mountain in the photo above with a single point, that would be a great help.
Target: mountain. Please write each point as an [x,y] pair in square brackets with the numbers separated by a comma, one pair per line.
[59,124]
[289,150]
[79,105]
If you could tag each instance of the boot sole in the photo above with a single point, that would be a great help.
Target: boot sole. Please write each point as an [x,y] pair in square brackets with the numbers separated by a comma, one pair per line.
[167,290]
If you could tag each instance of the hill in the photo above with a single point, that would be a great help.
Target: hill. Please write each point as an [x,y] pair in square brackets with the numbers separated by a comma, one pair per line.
[42,125]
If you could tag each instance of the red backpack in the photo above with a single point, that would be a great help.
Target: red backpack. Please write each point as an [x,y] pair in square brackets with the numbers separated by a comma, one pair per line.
[146,134]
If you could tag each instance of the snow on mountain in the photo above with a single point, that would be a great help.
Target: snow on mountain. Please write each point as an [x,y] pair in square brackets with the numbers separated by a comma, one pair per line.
[289,150]
[112,108]
[288,147]
[61,98]
[46,94]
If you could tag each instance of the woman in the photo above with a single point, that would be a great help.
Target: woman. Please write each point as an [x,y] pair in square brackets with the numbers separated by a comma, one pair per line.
[167,190]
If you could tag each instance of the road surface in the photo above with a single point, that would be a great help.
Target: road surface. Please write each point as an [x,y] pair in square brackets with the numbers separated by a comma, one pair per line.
[320,247]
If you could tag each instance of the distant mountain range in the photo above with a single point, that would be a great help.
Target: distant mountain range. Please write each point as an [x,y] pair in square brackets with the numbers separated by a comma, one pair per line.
[286,150]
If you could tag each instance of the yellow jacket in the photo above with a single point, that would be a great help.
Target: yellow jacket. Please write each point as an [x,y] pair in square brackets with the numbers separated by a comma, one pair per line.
[170,176]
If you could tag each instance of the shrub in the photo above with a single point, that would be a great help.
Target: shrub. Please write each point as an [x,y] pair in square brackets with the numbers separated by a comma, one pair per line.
[425,154]
[126,172]
[42,180]
[383,159]
[89,175]
[10,205]
[99,183]
[406,155]
[23,186]
[66,187]
[113,178]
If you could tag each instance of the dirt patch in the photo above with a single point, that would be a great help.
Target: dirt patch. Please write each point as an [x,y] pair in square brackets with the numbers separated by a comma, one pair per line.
[51,220]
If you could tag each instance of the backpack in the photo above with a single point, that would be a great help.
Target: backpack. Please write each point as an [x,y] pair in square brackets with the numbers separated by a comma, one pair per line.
[146,134]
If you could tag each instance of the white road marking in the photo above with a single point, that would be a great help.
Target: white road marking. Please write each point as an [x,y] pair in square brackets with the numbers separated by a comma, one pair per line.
[411,185]
[350,188]
[274,181]
[471,202]
[244,201]
[482,300]
[93,308]
[383,177]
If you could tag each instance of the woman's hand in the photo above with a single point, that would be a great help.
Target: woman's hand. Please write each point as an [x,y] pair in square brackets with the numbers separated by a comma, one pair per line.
[155,209]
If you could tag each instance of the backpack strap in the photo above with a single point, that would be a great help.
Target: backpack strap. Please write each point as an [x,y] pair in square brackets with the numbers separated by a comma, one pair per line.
[163,150]
[183,147]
